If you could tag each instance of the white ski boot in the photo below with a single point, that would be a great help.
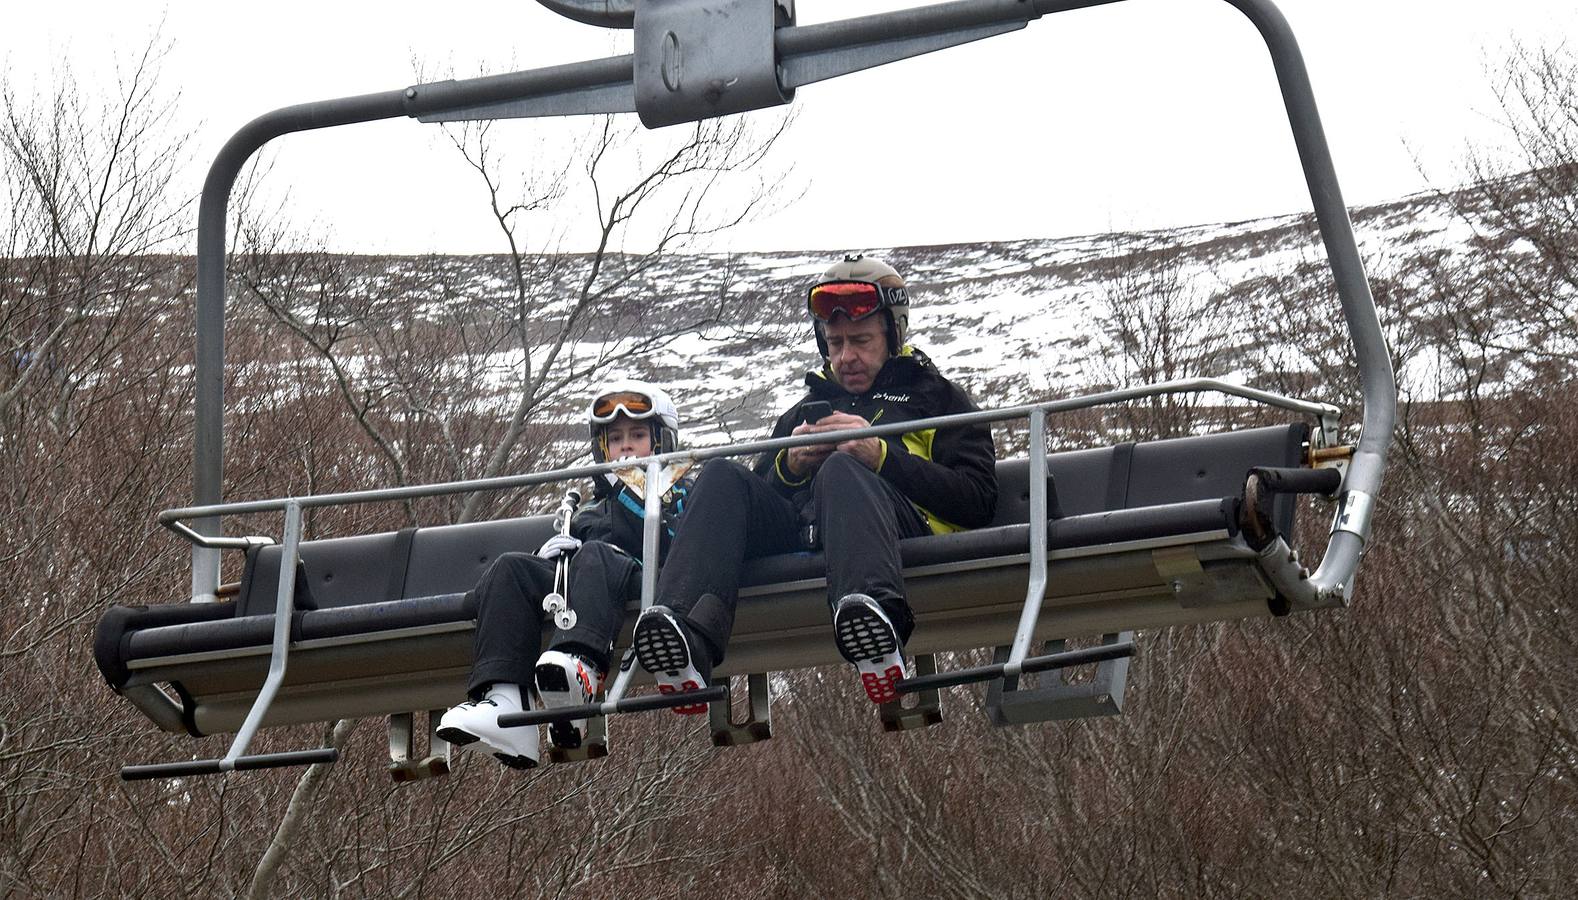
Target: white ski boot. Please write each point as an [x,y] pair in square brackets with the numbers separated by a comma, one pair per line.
[565,679]
[474,725]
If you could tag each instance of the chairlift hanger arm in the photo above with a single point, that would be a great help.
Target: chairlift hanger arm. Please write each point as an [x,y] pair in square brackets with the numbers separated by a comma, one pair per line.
[811,53]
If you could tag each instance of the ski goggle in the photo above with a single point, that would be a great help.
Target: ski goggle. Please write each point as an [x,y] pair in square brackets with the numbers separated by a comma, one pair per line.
[633,404]
[855,299]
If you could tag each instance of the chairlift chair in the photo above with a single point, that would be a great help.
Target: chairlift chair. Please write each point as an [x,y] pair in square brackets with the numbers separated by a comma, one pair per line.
[1102,541]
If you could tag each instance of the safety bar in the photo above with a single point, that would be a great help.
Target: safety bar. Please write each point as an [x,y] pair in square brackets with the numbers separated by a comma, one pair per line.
[614,701]
[170,517]
[236,758]
[1051,661]
[651,538]
[1030,613]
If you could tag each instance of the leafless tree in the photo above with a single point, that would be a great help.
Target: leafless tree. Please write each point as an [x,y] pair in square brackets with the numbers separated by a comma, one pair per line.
[425,371]
[1161,325]
[89,206]
[446,386]
[88,392]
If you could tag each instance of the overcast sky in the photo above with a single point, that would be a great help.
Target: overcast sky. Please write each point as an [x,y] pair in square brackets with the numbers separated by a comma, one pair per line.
[1141,114]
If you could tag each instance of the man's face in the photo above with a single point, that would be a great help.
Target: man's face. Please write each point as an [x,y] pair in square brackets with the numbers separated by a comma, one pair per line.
[626,439]
[856,350]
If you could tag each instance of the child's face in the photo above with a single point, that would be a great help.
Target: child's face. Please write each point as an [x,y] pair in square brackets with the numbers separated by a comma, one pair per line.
[627,439]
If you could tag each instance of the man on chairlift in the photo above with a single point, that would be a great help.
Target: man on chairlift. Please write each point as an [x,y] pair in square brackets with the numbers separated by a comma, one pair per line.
[852,499]
[627,420]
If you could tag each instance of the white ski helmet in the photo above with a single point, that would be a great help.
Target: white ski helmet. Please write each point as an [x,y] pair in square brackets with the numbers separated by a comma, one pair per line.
[637,401]
[893,297]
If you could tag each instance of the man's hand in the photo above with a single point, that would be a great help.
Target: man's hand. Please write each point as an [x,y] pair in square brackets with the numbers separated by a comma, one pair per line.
[867,450]
[804,460]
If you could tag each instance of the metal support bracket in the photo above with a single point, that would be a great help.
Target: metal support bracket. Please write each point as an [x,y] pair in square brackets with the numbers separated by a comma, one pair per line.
[1326,433]
[927,710]
[594,744]
[1008,704]
[403,766]
[729,731]
[1180,569]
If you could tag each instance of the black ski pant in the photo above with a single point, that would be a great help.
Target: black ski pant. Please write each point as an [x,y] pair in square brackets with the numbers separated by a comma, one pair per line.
[602,580]
[734,515]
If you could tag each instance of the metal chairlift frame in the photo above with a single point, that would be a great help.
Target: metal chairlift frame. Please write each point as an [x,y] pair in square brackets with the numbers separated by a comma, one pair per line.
[696,59]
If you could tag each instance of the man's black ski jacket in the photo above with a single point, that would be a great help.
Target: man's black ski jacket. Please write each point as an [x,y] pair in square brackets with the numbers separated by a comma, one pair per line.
[949,474]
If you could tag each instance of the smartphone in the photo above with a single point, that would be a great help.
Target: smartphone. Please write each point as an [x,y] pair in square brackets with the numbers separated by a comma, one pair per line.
[815,410]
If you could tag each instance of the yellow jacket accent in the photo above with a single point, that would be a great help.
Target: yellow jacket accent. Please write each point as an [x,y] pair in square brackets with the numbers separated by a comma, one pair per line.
[918,443]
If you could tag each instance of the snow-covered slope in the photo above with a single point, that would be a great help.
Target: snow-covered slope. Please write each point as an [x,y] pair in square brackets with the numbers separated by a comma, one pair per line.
[1011,321]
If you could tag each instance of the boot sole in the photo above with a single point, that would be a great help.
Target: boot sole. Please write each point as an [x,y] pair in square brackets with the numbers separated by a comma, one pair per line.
[660,647]
[521,763]
[880,686]
[662,650]
[456,736]
[863,634]
[867,639]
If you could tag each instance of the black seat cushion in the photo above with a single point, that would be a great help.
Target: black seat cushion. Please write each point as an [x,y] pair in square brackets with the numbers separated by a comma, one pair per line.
[112,639]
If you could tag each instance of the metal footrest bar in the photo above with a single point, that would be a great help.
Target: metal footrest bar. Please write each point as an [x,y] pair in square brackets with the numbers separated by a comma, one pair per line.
[608,708]
[1034,664]
[237,759]
[239,764]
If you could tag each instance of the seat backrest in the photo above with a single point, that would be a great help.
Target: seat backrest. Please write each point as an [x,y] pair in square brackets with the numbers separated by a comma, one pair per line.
[340,572]
[1210,465]
[422,562]
[449,559]
[1151,473]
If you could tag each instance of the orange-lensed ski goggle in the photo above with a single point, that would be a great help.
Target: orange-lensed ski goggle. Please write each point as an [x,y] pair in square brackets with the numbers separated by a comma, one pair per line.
[855,299]
[633,404]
